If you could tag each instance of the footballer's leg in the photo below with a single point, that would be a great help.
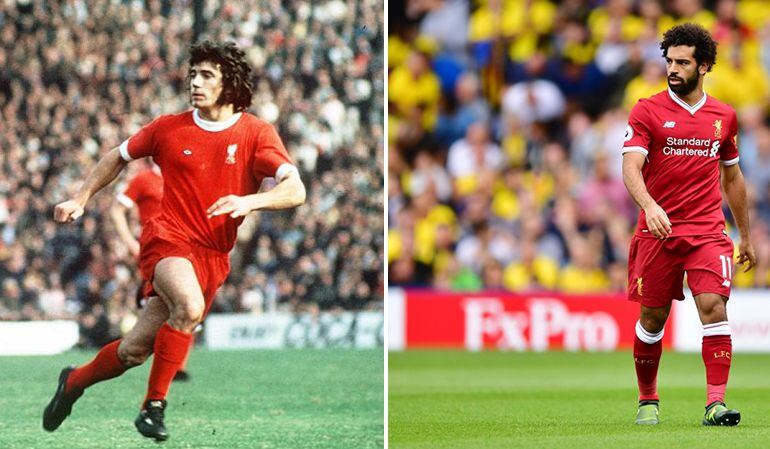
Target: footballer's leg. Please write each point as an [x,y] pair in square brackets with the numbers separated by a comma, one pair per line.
[111,361]
[648,347]
[655,274]
[183,375]
[176,282]
[717,357]
[136,346]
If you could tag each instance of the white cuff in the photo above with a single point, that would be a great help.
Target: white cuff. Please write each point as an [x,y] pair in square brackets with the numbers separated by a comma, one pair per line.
[124,151]
[124,200]
[720,328]
[642,150]
[731,161]
[283,171]
[648,337]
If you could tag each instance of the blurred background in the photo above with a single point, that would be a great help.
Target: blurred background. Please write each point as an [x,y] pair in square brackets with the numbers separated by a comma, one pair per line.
[77,77]
[506,119]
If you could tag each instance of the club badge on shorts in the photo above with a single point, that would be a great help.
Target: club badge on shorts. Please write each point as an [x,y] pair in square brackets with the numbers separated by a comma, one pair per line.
[231,149]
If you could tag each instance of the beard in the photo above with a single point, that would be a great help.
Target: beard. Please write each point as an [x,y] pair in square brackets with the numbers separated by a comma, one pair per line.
[685,85]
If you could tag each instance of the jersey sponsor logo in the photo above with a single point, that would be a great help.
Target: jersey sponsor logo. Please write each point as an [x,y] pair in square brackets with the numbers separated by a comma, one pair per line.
[231,149]
[717,129]
[629,133]
[669,124]
[691,147]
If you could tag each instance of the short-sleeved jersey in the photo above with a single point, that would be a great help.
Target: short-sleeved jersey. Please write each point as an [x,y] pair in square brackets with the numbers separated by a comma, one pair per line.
[145,191]
[202,161]
[684,146]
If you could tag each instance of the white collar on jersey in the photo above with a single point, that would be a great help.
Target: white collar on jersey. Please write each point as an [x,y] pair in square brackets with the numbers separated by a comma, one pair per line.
[209,125]
[691,109]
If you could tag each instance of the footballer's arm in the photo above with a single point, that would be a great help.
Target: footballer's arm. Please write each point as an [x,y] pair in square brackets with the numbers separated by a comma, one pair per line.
[288,193]
[657,220]
[118,213]
[735,191]
[108,167]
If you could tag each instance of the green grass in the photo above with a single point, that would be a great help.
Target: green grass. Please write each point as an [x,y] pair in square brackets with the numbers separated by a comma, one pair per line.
[238,399]
[447,399]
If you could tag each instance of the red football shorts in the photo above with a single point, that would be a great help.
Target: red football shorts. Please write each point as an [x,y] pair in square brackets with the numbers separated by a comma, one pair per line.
[656,267]
[157,242]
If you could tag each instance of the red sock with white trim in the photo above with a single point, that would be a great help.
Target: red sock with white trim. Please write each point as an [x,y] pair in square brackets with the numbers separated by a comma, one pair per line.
[717,351]
[105,365]
[648,348]
[171,349]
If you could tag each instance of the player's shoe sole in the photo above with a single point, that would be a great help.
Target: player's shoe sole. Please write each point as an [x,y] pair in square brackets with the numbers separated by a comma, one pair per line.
[717,414]
[60,406]
[647,414]
[150,421]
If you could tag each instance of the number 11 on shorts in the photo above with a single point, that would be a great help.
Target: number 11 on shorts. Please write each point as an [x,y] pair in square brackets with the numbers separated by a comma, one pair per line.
[727,269]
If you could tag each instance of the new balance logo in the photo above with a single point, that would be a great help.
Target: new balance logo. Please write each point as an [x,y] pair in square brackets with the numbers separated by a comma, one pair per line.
[669,124]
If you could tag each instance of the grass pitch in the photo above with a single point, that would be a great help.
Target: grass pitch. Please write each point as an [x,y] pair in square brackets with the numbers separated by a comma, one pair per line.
[238,399]
[448,399]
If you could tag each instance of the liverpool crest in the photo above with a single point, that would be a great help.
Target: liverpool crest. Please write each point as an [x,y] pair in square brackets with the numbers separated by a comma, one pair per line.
[639,286]
[718,129]
[231,149]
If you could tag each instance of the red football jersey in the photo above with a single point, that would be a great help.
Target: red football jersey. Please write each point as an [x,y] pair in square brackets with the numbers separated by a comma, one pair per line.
[202,161]
[684,146]
[145,191]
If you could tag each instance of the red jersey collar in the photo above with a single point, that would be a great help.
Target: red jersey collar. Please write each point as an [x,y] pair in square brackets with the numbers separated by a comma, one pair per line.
[691,109]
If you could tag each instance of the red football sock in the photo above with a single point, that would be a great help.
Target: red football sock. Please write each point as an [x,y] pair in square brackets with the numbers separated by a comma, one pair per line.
[647,359]
[183,366]
[717,354]
[105,365]
[171,349]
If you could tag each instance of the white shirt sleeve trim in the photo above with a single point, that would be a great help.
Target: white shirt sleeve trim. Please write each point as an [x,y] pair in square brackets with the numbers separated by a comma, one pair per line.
[124,151]
[126,201]
[635,150]
[731,161]
[283,171]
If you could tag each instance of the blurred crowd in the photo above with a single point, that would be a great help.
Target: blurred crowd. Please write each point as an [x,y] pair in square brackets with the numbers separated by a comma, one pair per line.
[77,77]
[506,120]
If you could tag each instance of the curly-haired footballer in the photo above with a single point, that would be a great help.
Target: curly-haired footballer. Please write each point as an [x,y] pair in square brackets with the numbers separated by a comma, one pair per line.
[213,160]
[680,145]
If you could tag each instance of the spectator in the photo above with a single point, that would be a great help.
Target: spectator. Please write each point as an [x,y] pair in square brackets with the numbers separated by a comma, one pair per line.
[536,193]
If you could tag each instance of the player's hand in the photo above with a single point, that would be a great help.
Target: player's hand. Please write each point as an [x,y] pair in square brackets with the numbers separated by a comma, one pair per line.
[657,221]
[746,256]
[68,211]
[236,206]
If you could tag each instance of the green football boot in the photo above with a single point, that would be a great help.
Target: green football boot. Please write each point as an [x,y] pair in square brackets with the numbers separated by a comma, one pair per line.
[717,414]
[647,413]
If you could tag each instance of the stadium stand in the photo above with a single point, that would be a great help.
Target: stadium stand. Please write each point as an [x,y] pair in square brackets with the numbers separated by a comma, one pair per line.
[78,77]
[505,131]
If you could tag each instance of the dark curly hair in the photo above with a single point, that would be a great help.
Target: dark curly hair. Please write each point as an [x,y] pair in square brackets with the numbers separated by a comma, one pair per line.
[692,35]
[236,72]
